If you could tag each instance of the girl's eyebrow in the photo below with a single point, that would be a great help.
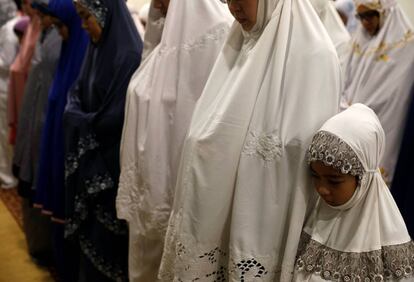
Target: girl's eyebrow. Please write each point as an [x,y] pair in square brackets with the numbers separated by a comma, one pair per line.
[336,176]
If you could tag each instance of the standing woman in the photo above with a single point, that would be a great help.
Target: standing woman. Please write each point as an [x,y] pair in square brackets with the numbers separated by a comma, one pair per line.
[379,70]
[93,125]
[242,188]
[160,102]
[50,174]
[19,70]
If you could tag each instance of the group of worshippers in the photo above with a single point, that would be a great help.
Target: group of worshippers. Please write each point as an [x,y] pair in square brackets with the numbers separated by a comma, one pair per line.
[211,140]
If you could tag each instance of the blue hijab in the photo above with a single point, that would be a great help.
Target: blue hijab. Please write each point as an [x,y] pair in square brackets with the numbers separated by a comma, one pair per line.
[93,125]
[50,184]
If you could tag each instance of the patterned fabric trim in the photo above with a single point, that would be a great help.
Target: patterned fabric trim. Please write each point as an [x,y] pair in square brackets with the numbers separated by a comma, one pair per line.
[110,270]
[110,221]
[97,184]
[391,262]
[72,160]
[333,151]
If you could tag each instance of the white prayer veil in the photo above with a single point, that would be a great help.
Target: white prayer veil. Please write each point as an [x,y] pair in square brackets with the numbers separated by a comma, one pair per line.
[379,72]
[153,30]
[347,7]
[160,102]
[335,28]
[241,193]
[366,238]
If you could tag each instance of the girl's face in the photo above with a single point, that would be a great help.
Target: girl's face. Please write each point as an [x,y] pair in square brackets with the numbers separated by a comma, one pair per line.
[244,11]
[162,6]
[89,23]
[334,187]
[370,19]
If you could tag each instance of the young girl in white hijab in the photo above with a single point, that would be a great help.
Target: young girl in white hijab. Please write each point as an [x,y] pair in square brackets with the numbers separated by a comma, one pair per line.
[379,70]
[355,232]
[241,193]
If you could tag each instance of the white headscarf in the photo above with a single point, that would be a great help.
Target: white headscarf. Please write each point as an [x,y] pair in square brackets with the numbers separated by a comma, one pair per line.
[153,30]
[347,7]
[379,74]
[335,27]
[366,237]
[241,192]
[160,102]
[135,16]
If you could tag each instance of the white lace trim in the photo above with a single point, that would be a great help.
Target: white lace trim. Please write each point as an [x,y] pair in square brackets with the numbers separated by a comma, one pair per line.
[391,262]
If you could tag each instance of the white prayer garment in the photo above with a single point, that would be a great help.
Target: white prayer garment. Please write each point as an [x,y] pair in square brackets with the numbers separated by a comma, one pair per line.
[242,188]
[161,99]
[379,74]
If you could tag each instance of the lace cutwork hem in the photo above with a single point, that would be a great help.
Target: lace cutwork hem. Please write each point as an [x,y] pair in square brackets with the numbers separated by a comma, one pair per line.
[185,260]
[333,151]
[97,184]
[72,160]
[267,146]
[110,270]
[151,220]
[391,262]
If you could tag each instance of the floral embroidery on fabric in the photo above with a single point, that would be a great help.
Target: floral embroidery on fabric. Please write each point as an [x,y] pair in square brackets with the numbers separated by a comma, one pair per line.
[267,146]
[113,272]
[381,51]
[333,151]
[72,160]
[97,184]
[391,262]
[110,221]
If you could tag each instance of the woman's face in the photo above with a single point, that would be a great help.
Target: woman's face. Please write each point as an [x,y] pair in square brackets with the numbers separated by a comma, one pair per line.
[244,11]
[46,20]
[89,23]
[370,19]
[62,29]
[162,6]
[334,187]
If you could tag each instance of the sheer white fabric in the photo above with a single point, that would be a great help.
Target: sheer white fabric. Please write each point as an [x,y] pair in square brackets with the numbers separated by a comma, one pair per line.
[379,74]
[369,224]
[335,27]
[8,51]
[160,102]
[241,193]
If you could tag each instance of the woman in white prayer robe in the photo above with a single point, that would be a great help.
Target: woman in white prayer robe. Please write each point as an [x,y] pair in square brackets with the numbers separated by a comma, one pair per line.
[379,70]
[242,189]
[355,232]
[161,99]
[335,28]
